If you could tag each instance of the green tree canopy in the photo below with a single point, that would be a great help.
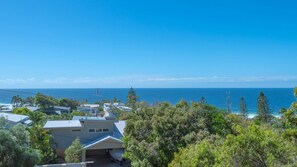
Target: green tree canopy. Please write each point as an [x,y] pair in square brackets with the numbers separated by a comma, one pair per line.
[69,103]
[43,141]
[74,152]
[45,102]
[15,148]
[242,107]
[252,146]
[153,134]
[263,109]
[132,98]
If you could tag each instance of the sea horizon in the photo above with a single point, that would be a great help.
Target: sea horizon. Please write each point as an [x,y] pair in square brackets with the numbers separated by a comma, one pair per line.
[278,97]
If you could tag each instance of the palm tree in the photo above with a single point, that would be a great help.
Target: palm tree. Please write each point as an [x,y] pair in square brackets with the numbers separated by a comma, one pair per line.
[17,101]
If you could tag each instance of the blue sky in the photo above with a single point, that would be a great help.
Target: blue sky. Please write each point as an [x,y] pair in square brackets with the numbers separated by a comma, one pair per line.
[108,43]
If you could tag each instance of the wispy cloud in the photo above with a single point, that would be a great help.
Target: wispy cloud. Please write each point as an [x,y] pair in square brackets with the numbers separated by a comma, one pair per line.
[147,81]
[17,80]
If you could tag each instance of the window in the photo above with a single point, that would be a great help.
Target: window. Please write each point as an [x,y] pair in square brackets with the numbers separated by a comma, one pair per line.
[91,130]
[105,130]
[99,130]
[76,130]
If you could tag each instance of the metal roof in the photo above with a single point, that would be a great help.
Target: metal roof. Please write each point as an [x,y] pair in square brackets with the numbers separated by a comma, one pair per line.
[120,125]
[14,117]
[88,118]
[101,139]
[62,124]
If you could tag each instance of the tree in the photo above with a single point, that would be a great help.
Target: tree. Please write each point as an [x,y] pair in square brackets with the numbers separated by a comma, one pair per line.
[132,98]
[69,103]
[253,145]
[74,152]
[263,110]
[16,101]
[242,107]
[21,110]
[203,100]
[154,133]
[289,120]
[29,100]
[182,104]
[43,141]
[199,155]
[37,118]
[45,102]
[256,145]
[15,148]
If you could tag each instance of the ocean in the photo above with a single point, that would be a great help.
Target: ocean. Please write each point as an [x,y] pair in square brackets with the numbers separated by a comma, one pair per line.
[278,97]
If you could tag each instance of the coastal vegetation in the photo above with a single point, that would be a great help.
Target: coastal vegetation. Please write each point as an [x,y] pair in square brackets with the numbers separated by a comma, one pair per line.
[165,134]
[74,152]
[199,134]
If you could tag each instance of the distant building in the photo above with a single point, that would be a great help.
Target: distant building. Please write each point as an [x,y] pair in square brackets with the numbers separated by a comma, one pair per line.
[62,110]
[6,107]
[32,108]
[108,108]
[97,134]
[14,119]
[91,109]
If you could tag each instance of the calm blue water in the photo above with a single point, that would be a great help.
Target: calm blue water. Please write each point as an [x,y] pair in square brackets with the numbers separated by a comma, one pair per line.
[278,98]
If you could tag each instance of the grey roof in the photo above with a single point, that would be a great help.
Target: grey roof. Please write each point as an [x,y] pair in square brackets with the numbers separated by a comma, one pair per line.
[16,118]
[62,108]
[120,126]
[32,108]
[100,139]
[88,118]
[62,124]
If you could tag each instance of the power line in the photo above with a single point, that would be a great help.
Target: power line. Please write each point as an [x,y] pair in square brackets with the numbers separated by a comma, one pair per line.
[16,91]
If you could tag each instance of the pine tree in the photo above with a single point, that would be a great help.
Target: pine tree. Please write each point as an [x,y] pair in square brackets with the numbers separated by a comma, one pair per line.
[131,98]
[242,107]
[263,109]
[203,100]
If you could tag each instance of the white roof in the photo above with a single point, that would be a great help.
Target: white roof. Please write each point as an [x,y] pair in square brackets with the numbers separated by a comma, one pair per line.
[63,124]
[90,105]
[14,117]
[121,126]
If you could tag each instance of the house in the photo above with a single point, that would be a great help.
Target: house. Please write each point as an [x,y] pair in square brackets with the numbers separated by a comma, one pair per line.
[108,108]
[32,108]
[14,119]
[62,110]
[91,109]
[96,134]
[6,107]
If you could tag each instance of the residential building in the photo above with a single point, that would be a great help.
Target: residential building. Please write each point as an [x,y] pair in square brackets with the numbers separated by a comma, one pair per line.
[97,134]
[108,109]
[13,119]
[6,107]
[90,109]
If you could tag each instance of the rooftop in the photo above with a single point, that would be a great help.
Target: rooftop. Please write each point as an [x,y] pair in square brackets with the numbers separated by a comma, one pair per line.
[120,125]
[90,105]
[14,117]
[88,118]
[62,124]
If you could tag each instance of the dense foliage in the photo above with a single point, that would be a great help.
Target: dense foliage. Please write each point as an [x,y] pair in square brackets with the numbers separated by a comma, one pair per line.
[200,135]
[263,109]
[16,148]
[131,98]
[74,152]
[153,134]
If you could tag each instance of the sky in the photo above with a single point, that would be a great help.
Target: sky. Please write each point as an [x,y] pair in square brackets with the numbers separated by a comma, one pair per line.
[148,44]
